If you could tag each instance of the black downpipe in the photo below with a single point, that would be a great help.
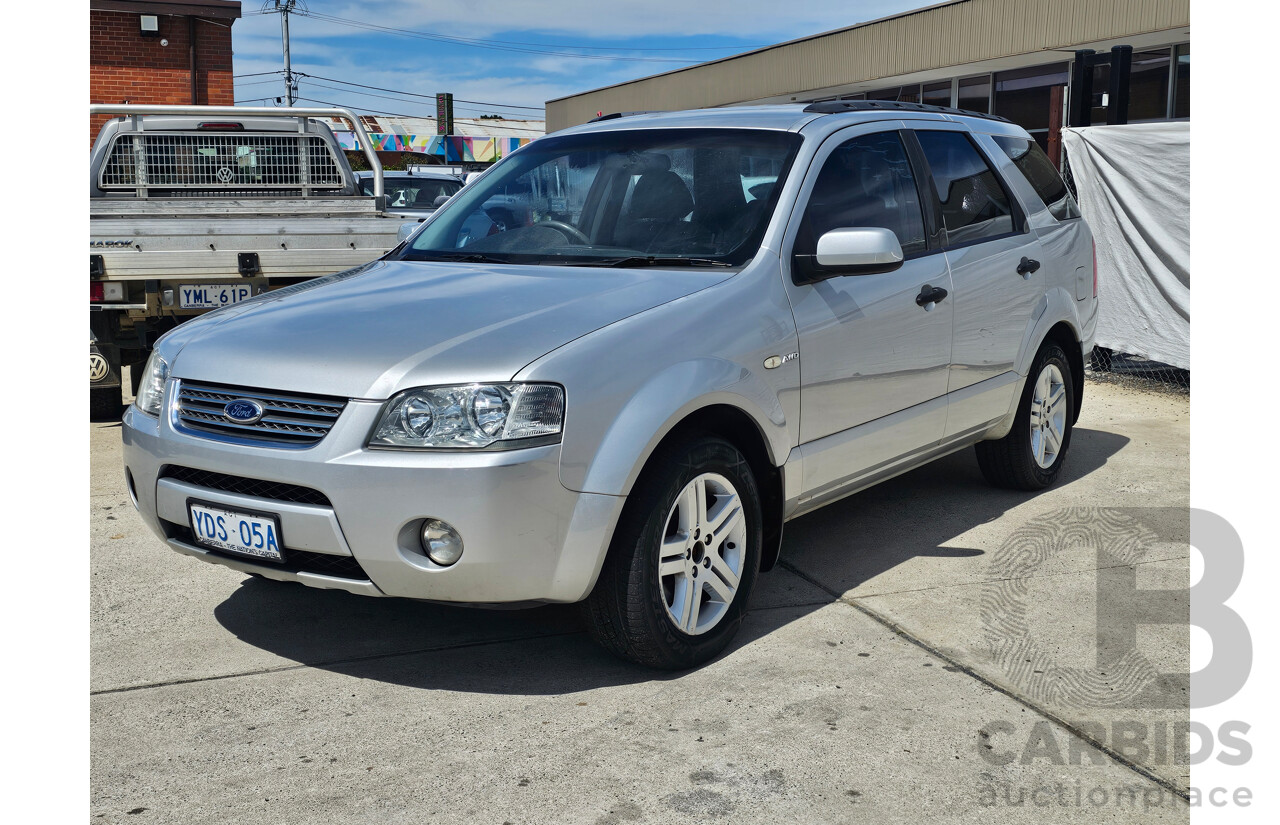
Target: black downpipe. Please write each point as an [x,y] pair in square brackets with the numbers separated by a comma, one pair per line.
[1118,93]
[1080,109]
[191,52]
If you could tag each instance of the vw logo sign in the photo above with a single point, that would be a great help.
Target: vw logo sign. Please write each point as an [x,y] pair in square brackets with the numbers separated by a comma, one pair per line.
[243,411]
[98,367]
[225,174]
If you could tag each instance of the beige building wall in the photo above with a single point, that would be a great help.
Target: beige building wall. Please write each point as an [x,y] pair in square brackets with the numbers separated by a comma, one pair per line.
[910,46]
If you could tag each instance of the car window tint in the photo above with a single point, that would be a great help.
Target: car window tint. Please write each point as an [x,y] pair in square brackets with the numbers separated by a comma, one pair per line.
[974,205]
[1036,167]
[866,181]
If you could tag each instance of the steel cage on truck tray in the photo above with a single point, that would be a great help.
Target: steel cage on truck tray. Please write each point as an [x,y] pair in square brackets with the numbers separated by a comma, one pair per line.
[137,111]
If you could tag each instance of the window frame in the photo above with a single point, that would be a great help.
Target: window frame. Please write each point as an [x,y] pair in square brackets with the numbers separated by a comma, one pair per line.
[1018,215]
[829,146]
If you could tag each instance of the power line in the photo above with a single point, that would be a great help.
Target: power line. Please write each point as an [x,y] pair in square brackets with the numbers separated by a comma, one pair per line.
[401,114]
[418,94]
[258,82]
[494,45]
[258,74]
[397,99]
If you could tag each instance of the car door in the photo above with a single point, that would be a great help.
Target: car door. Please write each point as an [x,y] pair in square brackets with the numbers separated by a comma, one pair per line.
[873,359]
[994,259]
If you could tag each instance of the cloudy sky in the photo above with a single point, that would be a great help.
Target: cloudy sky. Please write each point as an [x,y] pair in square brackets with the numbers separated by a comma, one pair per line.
[505,54]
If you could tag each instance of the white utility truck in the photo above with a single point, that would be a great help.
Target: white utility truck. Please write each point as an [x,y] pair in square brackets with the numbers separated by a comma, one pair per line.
[192,208]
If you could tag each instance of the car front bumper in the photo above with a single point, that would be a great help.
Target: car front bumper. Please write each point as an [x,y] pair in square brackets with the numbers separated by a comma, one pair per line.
[526,537]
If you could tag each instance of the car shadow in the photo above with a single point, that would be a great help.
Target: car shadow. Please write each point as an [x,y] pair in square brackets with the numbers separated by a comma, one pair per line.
[545,650]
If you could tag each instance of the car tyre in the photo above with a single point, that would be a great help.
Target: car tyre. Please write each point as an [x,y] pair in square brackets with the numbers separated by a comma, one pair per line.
[1032,454]
[666,596]
[105,404]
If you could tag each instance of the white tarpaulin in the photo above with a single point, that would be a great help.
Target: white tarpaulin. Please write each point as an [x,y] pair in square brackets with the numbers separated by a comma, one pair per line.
[1134,186]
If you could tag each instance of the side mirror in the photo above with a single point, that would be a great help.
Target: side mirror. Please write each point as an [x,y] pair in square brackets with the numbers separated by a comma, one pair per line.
[864,250]
[407,229]
[440,201]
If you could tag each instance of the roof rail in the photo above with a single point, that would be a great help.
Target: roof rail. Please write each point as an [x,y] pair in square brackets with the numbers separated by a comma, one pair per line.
[616,115]
[832,107]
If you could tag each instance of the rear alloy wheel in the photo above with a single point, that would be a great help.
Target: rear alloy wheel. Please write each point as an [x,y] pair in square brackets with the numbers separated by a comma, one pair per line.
[1031,455]
[675,585]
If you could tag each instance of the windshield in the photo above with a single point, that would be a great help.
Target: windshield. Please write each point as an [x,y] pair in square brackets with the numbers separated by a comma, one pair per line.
[419,193]
[627,198]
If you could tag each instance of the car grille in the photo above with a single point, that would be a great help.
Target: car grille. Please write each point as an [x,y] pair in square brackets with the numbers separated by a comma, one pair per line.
[290,420]
[275,490]
[295,561]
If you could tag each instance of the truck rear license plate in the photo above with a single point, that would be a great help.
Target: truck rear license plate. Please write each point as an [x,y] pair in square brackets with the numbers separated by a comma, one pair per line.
[247,534]
[212,296]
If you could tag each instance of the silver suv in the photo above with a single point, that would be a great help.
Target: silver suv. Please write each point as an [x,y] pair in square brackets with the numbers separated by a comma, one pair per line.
[692,328]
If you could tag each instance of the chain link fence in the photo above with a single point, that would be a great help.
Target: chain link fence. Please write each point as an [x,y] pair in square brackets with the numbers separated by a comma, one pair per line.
[1133,371]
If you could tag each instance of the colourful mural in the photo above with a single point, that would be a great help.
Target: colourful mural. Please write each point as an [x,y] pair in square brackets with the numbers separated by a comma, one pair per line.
[460,147]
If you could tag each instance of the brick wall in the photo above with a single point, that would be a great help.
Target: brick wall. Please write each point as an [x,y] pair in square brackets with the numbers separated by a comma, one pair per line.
[124,65]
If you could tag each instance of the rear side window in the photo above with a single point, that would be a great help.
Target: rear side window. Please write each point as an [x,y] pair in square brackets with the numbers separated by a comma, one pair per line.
[1036,167]
[975,206]
[866,181]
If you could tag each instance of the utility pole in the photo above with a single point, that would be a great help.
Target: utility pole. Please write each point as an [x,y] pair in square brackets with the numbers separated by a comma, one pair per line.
[290,82]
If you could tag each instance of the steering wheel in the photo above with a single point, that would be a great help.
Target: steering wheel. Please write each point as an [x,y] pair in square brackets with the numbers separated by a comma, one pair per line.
[571,232]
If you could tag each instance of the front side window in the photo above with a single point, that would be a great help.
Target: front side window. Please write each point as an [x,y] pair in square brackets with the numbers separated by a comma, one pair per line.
[866,181]
[974,204]
[1036,167]
[620,198]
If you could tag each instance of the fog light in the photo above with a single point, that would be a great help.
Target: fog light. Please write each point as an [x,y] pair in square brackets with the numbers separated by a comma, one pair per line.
[441,542]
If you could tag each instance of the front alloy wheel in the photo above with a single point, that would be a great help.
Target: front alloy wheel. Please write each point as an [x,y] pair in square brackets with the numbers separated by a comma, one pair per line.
[674,587]
[703,550]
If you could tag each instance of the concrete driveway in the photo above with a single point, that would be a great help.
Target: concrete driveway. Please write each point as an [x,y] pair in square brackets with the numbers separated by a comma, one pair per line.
[929,650]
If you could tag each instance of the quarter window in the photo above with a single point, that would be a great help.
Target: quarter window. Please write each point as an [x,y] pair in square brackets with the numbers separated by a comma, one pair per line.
[974,204]
[1036,167]
[866,181]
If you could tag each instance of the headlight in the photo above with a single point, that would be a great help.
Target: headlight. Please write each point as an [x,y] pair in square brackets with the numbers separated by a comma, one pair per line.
[151,389]
[476,416]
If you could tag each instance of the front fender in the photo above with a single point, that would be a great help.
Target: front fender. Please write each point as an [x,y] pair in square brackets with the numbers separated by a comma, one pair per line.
[656,408]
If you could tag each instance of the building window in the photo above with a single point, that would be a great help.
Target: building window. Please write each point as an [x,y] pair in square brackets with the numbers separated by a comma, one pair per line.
[1025,95]
[975,94]
[1149,85]
[937,94]
[1182,82]
[909,93]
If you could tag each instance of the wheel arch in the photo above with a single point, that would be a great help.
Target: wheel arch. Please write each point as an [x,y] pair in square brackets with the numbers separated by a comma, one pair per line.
[1064,335]
[741,430]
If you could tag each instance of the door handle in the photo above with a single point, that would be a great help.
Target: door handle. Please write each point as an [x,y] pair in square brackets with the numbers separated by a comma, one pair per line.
[1027,266]
[930,295]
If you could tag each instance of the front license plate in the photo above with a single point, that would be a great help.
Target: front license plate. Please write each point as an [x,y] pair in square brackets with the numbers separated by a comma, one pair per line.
[212,296]
[246,534]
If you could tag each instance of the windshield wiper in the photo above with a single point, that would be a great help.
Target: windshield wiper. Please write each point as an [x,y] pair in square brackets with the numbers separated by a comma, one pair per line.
[651,260]
[467,257]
